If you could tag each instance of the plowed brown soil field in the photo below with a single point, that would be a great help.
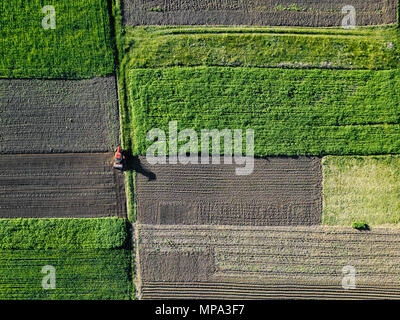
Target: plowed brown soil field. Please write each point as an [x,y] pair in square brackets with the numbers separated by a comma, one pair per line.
[281,191]
[307,13]
[266,262]
[59,186]
[46,116]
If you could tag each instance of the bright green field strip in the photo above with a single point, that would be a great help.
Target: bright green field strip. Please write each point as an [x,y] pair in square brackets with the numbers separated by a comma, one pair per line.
[293,112]
[359,189]
[79,47]
[107,233]
[80,274]
[373,48]
[91,257]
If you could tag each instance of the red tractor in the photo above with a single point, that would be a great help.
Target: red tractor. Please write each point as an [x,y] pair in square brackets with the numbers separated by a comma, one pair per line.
[119,159]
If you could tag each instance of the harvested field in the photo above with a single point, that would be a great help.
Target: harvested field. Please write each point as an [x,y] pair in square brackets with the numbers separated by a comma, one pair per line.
[280,191]
[63,185]
[361,189]
[266,262]
[306,13]
[45,116]
[292,112]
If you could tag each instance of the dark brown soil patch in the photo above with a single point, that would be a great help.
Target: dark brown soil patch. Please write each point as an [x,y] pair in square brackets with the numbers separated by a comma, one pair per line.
[60,186]
[183,266]
[51,116]
[281,191]
[306,13]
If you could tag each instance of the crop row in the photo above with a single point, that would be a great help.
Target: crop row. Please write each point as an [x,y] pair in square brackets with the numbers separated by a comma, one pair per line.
[79,274]
[24,234]
[255,5]
[292,112]
[236,291]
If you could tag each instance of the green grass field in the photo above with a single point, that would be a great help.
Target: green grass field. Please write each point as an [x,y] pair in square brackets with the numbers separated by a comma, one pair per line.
[361,189]
[366,48]
[91,257]
[293,112]
[79,47]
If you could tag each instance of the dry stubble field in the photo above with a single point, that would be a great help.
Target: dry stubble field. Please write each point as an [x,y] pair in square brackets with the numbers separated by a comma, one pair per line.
[265,262]
[45,116]
[281,191]
[60,186]
[306,13]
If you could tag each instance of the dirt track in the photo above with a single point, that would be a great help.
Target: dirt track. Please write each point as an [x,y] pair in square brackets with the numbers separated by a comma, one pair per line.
[46,116]
[307,13]
[59,186]
[281,191]
[266,262]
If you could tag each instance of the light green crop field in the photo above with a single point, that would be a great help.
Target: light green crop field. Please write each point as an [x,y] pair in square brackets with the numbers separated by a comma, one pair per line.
[79,47]
[293,112]
[91,257]
[359,189]
[366,48]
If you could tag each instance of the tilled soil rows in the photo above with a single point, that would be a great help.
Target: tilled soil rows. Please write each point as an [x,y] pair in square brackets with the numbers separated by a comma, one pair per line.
[307,13]
[60,186]
[266,262]
[280,191]
[46,116]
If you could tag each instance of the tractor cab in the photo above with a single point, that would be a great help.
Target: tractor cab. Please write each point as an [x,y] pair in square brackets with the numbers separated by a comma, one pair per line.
[118,159]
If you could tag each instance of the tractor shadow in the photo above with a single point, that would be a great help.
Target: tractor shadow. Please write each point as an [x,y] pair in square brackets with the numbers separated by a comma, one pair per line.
[132,163]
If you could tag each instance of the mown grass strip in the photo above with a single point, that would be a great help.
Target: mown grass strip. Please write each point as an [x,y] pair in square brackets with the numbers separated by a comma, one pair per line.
[361,189]
[369,48]
[293,112]
[79,46]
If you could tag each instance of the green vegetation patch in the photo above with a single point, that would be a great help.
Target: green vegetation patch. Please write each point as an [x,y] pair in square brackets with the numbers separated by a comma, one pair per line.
[366,48]
[293,112]
[365,189]
[79,46]
[361,226]
[91,257]
[107,233]
[80,274]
